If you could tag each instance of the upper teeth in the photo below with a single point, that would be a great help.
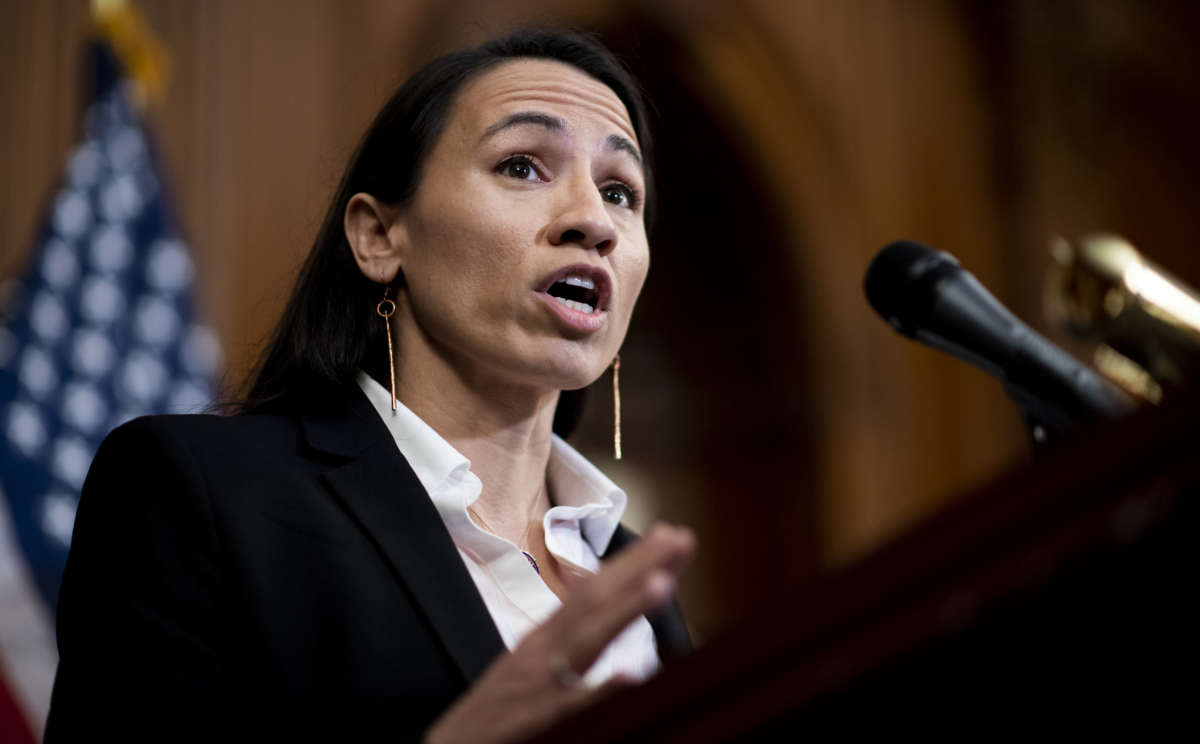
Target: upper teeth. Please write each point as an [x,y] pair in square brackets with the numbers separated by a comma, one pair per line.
[579,281]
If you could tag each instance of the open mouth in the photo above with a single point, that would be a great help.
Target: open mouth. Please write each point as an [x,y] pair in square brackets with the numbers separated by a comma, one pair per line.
[580,288]
[576,292]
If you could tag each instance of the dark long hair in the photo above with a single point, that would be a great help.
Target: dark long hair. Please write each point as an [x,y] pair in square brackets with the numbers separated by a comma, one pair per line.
[329,328]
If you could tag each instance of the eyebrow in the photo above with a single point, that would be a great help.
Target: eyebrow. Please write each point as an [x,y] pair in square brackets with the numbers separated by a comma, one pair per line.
[619,143]
[555,124]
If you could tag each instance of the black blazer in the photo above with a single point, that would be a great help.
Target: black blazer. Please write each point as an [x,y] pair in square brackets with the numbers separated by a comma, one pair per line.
[282,575]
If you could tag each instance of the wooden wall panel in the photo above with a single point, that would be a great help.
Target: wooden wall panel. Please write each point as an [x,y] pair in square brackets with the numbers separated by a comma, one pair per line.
[39,101]
[977,128]
[880,136]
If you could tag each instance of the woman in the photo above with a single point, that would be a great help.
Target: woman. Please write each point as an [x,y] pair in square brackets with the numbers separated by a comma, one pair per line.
[390,539]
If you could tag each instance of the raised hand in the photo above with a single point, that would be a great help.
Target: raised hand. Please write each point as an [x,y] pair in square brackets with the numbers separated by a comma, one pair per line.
[539,682]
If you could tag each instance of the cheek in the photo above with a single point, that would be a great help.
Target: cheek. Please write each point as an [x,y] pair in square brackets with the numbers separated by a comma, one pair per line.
[635,276]
[465,268]
[643,269]
[469,244]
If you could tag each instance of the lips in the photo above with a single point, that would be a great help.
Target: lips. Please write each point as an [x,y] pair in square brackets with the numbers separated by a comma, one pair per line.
[582,288]
[578,296]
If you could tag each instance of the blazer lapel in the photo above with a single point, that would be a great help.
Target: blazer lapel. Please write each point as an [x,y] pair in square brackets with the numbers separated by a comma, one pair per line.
[379,488]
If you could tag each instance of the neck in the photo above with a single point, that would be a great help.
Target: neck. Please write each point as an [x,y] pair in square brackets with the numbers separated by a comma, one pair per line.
[503,429]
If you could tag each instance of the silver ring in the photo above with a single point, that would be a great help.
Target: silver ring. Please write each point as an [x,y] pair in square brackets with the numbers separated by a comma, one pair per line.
[566,677]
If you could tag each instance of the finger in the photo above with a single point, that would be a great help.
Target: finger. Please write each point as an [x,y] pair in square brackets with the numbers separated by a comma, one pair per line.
[579,693]
[617,682]
[664,548]
[636,582]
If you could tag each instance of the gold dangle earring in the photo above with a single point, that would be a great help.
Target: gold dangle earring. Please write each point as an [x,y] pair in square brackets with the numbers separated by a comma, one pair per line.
[386,308]
[617,406]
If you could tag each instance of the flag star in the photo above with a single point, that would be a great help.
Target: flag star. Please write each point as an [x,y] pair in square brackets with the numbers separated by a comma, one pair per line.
[25,428]
[83,407]
[60,268]
[58,516]
[120,198]
[111,248]
[125,148]
[48,318]
[102,300]
[169,268]
[143,377]
[92,353]
[70,460]
[37,374]
[156,321]
[85,165]
[72,213]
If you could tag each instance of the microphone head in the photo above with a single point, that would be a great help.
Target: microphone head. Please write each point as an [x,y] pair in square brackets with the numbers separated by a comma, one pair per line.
[899,282]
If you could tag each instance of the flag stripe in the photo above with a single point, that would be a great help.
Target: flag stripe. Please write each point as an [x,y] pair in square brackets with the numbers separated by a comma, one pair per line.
[27,651]
[14,728]
[98,331]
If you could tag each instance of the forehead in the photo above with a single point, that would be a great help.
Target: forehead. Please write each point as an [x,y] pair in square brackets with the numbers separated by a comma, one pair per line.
[539,84]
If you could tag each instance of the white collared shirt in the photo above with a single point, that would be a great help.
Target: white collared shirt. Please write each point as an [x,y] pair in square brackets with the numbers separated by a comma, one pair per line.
[577,529]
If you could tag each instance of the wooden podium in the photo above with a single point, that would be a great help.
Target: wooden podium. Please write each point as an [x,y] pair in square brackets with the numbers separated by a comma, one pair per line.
[1060,594]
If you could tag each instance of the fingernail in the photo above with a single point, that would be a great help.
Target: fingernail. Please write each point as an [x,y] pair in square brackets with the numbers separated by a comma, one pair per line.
[680,537]
[660,585]
[687,537]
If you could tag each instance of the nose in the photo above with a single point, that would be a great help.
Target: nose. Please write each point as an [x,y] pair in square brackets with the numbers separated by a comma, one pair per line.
[583,219]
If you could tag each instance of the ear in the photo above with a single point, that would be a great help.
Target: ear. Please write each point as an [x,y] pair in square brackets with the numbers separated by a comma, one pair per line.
[376,236]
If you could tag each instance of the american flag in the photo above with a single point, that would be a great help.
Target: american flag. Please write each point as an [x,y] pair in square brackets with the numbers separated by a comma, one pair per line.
[99,330]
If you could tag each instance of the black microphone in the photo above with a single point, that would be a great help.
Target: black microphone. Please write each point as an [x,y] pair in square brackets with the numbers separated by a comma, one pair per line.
[924,294]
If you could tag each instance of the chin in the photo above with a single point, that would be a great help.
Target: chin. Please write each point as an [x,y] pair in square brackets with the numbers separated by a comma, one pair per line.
[576,381]
[575,371]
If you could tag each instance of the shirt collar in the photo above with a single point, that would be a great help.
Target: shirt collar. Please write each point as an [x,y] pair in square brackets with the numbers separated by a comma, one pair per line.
[577,484]
[580,491]
[432,458]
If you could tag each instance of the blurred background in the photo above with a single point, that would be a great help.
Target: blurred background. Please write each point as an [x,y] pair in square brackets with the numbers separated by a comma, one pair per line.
[764,403]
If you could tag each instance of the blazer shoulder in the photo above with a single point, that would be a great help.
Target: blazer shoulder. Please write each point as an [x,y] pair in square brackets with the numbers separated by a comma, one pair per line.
[207,432]
[203,426]
[229,453]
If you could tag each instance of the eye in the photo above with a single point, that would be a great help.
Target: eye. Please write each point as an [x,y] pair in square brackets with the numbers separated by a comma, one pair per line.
[621,194]
[519,167]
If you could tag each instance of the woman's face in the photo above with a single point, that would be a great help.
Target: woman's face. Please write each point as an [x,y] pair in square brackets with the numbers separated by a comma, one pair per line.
[525,244]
